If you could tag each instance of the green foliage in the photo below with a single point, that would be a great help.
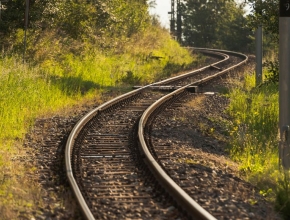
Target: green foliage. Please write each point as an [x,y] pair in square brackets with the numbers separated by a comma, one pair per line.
[254,142]
[265,13]
[256,113]
[283,196]
[129,78]
[218,24]
[102,23]
[9,20]
[24,95]
[273,71]
[99,19]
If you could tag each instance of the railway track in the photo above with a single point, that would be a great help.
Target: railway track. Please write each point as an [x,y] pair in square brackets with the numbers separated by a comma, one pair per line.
[112,163]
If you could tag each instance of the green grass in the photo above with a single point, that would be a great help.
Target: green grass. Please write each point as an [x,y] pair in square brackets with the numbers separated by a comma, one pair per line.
[25,92]
[28,90]
[254,140]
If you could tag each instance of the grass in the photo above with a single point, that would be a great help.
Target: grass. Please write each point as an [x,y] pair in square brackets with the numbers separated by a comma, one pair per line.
[110,67]
[58,77]
[254,140]
[26,93]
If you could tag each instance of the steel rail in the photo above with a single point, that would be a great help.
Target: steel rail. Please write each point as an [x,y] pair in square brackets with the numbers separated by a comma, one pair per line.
[70,142]
[191,206]
[81,123]
[224,57]
[243,56]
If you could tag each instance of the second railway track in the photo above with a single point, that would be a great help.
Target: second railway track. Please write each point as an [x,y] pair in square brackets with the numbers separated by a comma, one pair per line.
[110,176]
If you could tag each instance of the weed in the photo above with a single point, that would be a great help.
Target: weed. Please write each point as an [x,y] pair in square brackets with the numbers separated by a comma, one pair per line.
[254,142]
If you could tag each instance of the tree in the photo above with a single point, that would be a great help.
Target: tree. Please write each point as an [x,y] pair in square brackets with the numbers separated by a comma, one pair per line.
[93,20]
[265,13]
[216,23]
[199,23]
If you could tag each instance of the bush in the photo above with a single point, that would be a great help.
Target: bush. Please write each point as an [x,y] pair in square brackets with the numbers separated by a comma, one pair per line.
[273,71]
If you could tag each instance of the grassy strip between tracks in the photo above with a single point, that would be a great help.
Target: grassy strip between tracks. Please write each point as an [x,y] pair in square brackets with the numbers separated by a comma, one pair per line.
[254,140]
[28,92]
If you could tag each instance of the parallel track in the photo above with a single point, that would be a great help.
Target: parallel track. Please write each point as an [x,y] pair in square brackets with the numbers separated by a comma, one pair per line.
[110,176]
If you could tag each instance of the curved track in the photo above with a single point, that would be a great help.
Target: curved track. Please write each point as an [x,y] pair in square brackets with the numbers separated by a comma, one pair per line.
[114,178]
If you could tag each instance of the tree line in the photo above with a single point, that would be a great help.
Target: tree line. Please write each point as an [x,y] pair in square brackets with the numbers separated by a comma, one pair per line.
[206,23]
[99,22]
[217,24]
[225,23]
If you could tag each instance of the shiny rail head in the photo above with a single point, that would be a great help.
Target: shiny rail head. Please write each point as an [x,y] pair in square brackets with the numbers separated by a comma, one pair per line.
[191,89]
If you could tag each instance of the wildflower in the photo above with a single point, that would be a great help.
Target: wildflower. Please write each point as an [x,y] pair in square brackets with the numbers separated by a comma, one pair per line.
[238,121]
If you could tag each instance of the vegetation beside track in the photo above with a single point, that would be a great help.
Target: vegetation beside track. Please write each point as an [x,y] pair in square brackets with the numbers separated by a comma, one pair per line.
[258,124]
[61,70]
[254,139]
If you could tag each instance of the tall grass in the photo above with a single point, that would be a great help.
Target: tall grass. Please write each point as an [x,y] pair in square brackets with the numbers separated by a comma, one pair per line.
[28,90]
[25,92]
[254,140]
[109,67]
